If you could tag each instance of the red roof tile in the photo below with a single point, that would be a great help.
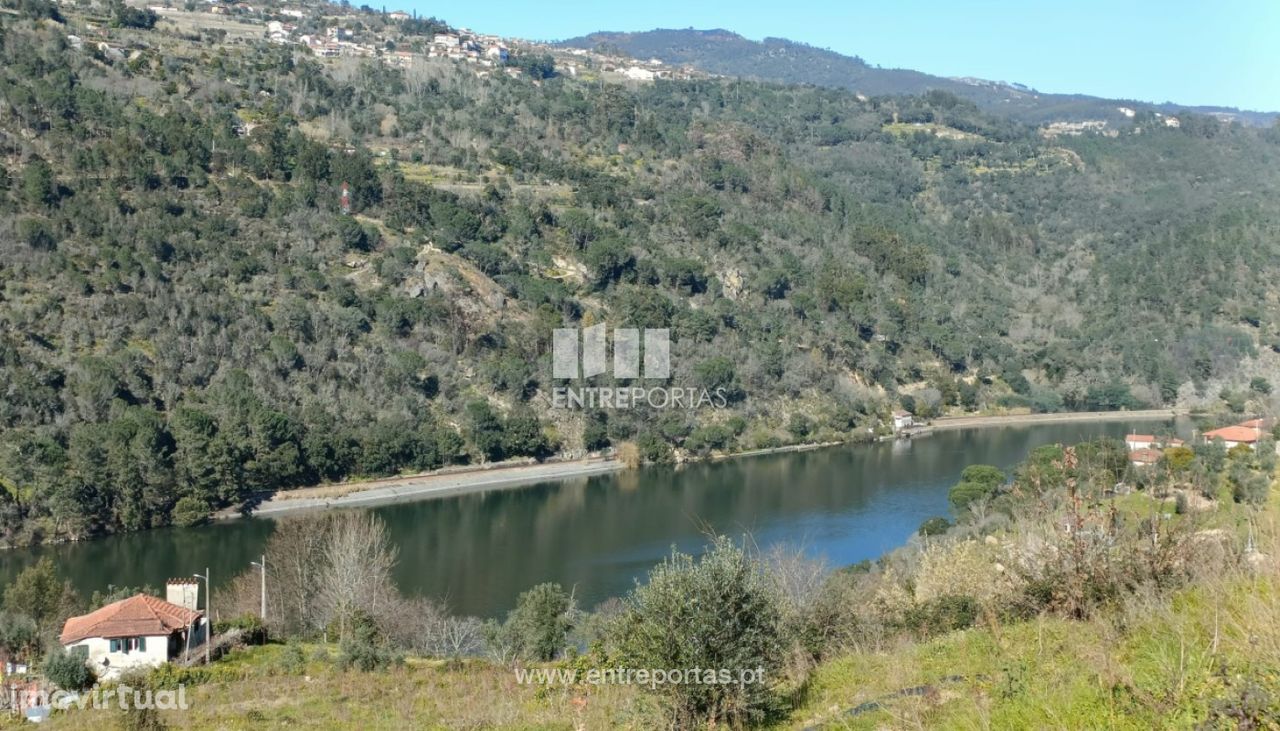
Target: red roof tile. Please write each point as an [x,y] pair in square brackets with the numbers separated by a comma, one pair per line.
[141,615]
[1145,456]
[1233,434]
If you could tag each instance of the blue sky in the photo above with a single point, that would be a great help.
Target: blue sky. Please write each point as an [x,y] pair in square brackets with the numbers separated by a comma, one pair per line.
[1225,52]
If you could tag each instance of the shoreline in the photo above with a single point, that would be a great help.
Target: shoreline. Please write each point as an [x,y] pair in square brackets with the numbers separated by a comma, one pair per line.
[468,480]
[1061,417]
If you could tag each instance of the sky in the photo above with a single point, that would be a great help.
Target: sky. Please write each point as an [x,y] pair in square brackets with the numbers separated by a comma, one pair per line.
[1220,52]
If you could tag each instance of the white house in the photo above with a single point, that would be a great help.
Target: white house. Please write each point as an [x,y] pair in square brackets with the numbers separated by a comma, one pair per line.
[1139,441]
[902,420]
[138,632]
[1234,436]
[638,74]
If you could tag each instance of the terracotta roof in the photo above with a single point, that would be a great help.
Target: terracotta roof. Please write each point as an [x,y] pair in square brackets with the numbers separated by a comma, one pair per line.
[1253,424]
[1145,456]
[1140,438]
[141,615]
[1233,434]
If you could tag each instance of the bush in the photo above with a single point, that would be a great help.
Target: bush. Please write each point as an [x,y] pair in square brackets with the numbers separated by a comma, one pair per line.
[190,511]
[539,625]
[292,661]
[68,671]
[714,612]
[943,614]
[365,651]
[976,482]
[934,526]
[254,632]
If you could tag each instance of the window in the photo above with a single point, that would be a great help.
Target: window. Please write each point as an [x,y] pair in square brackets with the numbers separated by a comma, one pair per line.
[129,644]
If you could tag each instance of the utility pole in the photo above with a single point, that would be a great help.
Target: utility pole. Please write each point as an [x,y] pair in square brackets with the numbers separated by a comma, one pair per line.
[263,592]
[208,614]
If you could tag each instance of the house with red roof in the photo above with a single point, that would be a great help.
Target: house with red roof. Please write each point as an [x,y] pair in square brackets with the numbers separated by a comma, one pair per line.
[141,631]
[1139,441]
[1145,457]
[1235,435]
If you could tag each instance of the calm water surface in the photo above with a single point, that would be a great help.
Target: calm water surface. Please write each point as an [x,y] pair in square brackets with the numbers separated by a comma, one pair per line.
[598,534]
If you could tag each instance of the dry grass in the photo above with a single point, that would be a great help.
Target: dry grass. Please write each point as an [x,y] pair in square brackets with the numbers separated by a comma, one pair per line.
[419,694]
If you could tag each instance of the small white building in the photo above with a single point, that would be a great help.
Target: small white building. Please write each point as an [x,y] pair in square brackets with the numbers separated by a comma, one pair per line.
[1139,441]
[903,420]
[142,631]
[637,73]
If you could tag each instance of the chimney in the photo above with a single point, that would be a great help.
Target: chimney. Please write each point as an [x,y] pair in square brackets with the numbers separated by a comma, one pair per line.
[183,592]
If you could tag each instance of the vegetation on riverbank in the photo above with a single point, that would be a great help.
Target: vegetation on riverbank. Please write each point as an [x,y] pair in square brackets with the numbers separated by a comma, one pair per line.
[1080,587]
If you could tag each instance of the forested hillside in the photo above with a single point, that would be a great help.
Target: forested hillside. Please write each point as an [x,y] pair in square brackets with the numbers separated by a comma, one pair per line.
[188,318]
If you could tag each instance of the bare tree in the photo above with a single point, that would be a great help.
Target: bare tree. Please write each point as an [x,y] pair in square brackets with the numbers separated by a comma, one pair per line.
[356,559]
[294,572]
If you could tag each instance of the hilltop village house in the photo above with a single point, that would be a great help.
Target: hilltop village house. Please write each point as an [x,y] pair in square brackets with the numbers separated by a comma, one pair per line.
[142,631]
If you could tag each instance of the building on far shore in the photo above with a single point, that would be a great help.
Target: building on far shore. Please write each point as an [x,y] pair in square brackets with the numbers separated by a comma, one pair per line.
[903,420]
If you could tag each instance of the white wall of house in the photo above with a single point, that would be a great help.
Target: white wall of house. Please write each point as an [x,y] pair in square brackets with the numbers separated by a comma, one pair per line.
[99,649]
[1232,445]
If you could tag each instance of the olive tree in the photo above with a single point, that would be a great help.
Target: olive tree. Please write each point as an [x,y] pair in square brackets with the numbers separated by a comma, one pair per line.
[717,613]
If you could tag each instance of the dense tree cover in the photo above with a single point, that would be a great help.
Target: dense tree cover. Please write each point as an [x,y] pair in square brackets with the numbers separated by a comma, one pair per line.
[189,321]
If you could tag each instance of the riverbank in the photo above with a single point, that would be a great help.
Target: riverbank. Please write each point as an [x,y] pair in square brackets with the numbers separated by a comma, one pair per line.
[419,487]
[465,480]
[458,481]
[973,422]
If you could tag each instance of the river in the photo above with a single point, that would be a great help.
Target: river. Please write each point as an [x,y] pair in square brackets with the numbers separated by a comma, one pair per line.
[599,534]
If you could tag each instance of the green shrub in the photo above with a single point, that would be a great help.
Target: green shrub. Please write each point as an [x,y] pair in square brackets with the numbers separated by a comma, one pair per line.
[365,651]
[254,632]
[934,526]
[943,614]
[190,511]
[538,627]
[67,671]
[714,612]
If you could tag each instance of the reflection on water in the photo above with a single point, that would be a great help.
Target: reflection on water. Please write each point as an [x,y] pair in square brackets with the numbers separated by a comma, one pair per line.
[598,534]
